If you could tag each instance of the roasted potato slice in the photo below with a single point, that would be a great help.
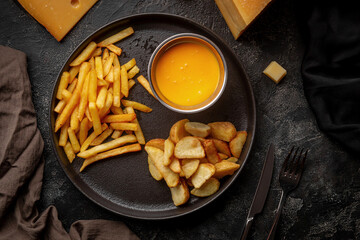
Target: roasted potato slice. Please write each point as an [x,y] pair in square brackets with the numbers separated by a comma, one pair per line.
[225,168]
[223,156]
[168,151]
[211,152]
[232,159]
[154,171]
[236,145]
[225,131]
[178,131]
[157,143]
[157,156]
[204,172]
[175,165]
[189,166]
[197,129]
[210,187]
[189,147]
[222,147]
[180,194]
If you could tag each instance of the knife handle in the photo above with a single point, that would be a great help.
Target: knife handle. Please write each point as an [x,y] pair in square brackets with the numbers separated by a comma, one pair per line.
[249,222]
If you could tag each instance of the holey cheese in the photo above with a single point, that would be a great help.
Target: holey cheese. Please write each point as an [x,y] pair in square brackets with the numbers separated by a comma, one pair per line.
[238,14]
[57,16]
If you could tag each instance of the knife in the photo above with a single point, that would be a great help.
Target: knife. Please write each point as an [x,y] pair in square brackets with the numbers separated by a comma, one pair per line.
[261,190]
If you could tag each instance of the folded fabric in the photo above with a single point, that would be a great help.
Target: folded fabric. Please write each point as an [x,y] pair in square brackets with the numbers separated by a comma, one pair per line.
[331,69]
[21,166]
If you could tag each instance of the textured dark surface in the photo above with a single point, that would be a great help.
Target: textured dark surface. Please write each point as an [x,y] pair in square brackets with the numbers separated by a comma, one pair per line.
[326,205]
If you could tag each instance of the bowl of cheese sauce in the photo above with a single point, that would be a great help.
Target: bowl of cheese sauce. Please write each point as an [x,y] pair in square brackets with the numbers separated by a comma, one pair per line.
[187,73]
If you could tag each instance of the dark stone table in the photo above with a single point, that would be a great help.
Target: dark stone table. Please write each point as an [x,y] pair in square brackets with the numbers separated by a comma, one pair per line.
[326,205]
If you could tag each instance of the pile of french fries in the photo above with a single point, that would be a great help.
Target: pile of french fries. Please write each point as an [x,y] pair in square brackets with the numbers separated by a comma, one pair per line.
[195,155]
[90,98]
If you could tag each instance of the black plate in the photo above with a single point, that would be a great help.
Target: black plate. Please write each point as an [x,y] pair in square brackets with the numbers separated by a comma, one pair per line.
[123,184]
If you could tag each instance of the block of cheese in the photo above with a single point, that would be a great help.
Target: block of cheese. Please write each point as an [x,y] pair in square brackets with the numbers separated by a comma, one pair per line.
[238,14]
[57,16]
[275,71]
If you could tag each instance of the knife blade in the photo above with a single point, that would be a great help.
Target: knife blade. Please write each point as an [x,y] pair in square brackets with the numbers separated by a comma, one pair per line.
[261,190]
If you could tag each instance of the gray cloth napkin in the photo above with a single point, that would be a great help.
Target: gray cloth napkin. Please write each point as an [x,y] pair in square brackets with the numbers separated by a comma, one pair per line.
[22,167]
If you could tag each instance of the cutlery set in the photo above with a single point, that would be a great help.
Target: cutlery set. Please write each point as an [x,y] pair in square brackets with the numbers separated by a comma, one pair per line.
[289,178]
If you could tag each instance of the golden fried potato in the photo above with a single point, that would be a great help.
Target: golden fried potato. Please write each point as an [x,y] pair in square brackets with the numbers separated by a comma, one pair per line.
[198,129]
[175,165]
[157,156]
[236,145]
[178,131]
[189,147]
[189,166]
[210,187]
[154,171]
[223,156]
[211,152]
[204,172]
[225,168]
[168,151]
[222,147]
[180,194]
[157,143]
[225,131]
[232,159]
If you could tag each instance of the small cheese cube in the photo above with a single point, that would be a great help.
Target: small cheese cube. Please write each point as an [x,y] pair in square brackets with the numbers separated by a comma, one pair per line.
[275,72]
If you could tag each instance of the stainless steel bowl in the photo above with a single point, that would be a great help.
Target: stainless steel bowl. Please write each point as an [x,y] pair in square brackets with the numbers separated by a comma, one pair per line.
[170,42]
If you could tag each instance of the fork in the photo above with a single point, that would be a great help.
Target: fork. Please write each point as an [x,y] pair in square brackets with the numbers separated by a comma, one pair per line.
[289,178]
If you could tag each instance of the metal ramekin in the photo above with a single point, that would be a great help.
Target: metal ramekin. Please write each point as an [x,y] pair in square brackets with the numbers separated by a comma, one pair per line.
[170,42]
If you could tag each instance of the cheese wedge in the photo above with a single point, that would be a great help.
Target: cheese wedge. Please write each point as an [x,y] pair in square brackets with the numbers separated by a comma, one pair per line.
[238,14]
[275,72]
[57,16]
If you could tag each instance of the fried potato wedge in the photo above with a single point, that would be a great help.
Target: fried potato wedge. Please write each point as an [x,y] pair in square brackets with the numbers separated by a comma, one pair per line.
[223,156]
[198,129]
[189,166]
[168,151]
[178,131]
[180,194]
[225,131]
[189,147]
[225,168]
[204,172]
[232,159]
[210,187]
[157,143]
[237,144]
[222,147]
[211,152]
[154,171]
[175,165]
[157,156]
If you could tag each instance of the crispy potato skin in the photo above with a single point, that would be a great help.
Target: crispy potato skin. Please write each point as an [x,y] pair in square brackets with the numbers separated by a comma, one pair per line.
[225,131]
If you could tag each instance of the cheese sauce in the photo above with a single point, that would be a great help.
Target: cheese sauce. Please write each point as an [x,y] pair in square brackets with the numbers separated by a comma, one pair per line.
[187,73]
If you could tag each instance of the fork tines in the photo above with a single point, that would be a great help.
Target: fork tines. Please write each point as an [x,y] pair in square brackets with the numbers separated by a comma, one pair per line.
[294,163]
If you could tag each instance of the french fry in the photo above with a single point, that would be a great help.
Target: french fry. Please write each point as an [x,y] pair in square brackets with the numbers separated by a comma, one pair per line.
[110,77]
[88,115]
[129,64]
[69,152]
[116,62]
[83,72]
[136,105]
[72,86]
[124,126]
[83,133]
[105,56]
[91,138]
[64,81]
[66,95]
[101,98]
[99,68]
[114,49]
[65,114]
[108,146]
[115,152]
[108,63]
[117,37]
[117,85]
[64,134]
[120,118]
[99,139]
[73,73]
[138,133]
[116,110]
[84,55]
[102,83]
[145,83]
[74,120]
[124,82]
[108,103]
[95,117]
[116,134]
[92,63]
[135,70]
[73,140]
[60,106]
[95,53]
[84,98]
[92,86]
